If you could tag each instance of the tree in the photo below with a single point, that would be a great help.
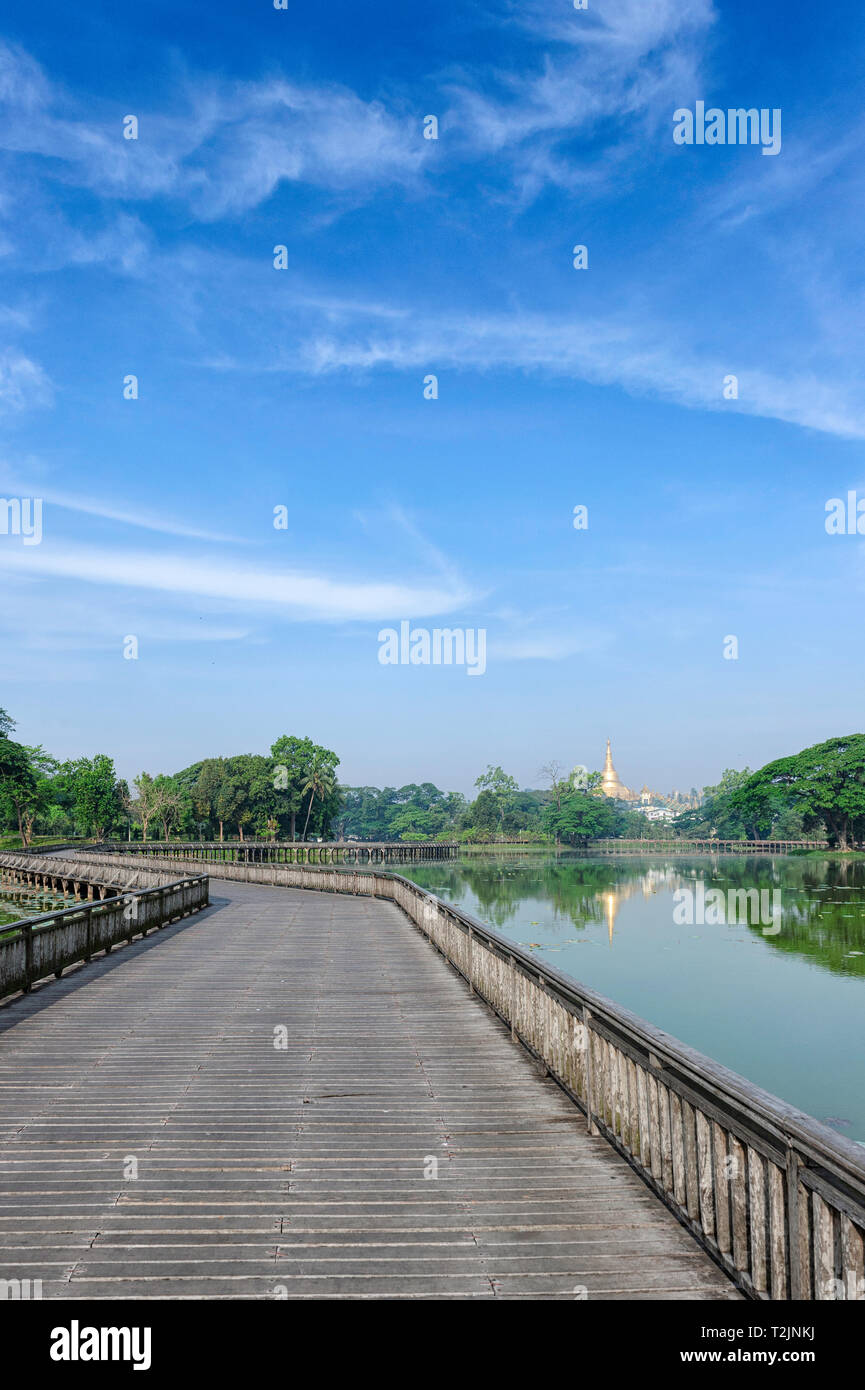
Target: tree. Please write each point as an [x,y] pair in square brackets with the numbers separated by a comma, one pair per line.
[206,792]
[167,800]
[34,797]
[97,800]
[144,809]
[582,817]
[20,793]
[552,773]
[292,759]
[500,786]
[824,783]
[320,781]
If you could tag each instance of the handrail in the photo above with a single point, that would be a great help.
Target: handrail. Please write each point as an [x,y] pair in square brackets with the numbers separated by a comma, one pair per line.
[777,1198]
[35,947]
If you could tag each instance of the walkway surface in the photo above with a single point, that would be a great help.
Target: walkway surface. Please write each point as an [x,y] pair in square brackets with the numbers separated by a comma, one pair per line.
[283,1071]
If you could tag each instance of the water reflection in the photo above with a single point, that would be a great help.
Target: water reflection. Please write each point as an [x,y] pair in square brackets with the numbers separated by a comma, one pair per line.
[781,1004]
[18,902]
[823,900]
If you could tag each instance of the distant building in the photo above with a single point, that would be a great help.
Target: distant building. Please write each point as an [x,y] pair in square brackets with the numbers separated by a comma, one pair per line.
[610,784]
[655,805]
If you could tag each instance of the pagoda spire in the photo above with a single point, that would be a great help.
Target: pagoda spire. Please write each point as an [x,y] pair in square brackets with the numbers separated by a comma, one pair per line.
[608,761]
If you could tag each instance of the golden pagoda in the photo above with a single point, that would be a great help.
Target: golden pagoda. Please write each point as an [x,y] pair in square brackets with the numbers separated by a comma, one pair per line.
[610,784]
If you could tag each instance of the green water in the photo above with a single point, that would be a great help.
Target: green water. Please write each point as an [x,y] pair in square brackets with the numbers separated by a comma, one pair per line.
[17,902]
[780,1001]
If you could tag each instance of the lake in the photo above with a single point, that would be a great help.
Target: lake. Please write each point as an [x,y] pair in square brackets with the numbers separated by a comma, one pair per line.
[17,902]
[777,995]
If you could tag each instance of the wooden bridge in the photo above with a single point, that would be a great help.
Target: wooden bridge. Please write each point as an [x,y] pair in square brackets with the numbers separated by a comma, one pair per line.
[287,851]
[705,845]
[363,1093]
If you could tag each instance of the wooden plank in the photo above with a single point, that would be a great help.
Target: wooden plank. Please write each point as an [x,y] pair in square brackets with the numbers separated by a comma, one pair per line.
[722,1188]
[645,1126]
[633,1108]
[706,1175]
[655,1122]
[806,1243]
[778,1234]
[678,1143]
[739,1205]
[759,1219]
[852,1260]
[825,1282]
[692,1171]
[666,1137]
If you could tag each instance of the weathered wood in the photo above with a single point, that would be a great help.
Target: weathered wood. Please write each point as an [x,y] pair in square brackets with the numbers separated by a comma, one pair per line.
[722,1189]
[706,1175]
[645,1129]
[805,1253]
[666,1137]
[852,1260]
[739,1204]
[824,1251]
[778,1234]
[692,1171]
[678,1142]
[655,1127]
[758,1219]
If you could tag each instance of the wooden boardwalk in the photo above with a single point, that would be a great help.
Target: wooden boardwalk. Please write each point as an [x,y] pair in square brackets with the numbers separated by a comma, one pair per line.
[299,1171]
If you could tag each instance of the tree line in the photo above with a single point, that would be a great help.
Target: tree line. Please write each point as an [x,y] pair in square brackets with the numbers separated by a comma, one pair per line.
[294,793]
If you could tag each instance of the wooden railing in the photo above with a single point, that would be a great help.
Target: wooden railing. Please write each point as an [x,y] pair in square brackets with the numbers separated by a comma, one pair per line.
[37,947]
[684,844]
[285,851]
[777,1198]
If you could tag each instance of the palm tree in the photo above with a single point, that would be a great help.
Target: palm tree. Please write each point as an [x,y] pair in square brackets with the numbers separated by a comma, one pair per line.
[319,781]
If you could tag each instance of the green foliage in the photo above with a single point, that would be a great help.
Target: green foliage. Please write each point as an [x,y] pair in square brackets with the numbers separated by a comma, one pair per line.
[581,817]
[96,795]
[824,784]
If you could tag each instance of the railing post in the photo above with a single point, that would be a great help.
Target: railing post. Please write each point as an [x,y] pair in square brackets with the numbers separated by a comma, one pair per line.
[793,1251]
[28,957]
[471,961]
[88,929]
[587,1019]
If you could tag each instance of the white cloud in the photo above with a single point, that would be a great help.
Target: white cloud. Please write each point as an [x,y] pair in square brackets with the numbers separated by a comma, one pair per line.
[625,65]
[642,358]
[23,383]
[86,506]
[298,595]
[225,146]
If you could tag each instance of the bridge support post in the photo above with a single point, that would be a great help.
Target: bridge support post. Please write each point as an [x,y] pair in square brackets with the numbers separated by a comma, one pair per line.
[590,1117]
[28,957]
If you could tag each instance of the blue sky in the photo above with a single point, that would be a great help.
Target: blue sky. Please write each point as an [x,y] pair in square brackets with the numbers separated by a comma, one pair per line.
[303,387]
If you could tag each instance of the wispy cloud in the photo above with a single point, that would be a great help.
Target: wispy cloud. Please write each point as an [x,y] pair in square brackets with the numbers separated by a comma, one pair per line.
[143,519]
[611,72]
[298,595]
[223,148]
[23,383]
[640,356]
